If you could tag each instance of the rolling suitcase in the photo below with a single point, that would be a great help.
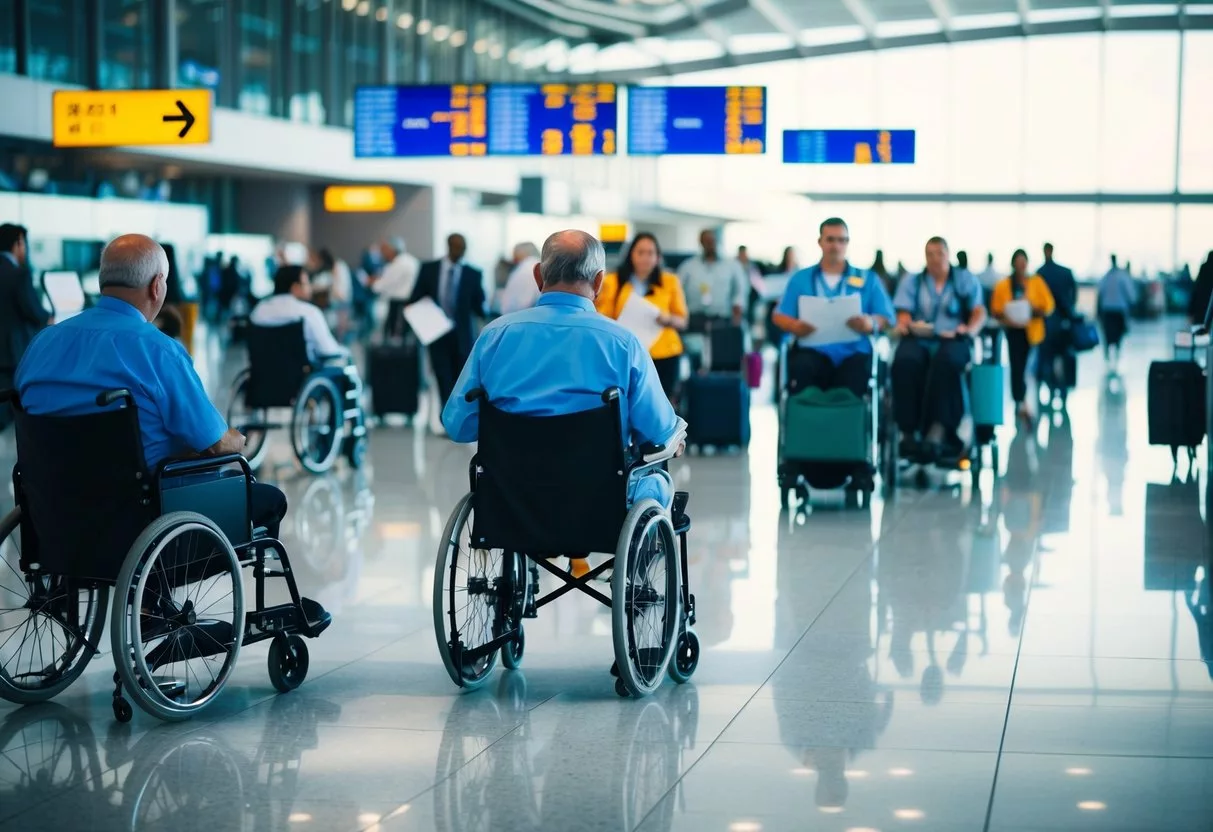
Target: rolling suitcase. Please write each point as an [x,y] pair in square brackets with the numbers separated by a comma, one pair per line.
[718,410]
[395,378]
[1176,405]
[726,349]
[986,388]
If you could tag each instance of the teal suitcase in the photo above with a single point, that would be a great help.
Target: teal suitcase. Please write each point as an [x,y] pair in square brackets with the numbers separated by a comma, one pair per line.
[987,386]
[826,426]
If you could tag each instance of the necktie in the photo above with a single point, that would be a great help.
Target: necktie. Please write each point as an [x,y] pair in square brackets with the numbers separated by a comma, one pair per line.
[451,290]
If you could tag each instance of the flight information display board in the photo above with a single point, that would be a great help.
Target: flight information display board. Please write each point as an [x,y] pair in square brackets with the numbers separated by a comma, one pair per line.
[486,120]
[848,147]
[714,121]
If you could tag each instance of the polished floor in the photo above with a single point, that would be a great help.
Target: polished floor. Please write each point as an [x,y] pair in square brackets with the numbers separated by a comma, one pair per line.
[1028,654]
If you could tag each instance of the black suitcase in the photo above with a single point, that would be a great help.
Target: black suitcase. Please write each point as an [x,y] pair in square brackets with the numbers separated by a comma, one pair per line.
[726,348]
[717,410]
[395,378]
[1176,404]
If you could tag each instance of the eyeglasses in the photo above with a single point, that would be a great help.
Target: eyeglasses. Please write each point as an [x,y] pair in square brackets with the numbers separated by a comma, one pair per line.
[830,239]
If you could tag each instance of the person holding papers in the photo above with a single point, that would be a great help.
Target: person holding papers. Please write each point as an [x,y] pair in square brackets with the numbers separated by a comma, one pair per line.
[822,359]
[640,290]
[560,356]
[1021,303]
[938,312]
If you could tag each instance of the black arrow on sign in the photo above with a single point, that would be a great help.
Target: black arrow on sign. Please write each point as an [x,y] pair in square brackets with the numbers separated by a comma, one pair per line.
[185,116]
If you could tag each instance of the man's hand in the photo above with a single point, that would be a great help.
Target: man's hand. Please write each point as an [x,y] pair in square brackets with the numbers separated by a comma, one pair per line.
[803,329]
[736,316]
[682,447]
[861,324]
[902,328]
[962,330]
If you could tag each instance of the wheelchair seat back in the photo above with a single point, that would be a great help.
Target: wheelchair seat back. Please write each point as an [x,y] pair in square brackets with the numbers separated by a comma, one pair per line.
[278,364]
[83,491]
[550,485]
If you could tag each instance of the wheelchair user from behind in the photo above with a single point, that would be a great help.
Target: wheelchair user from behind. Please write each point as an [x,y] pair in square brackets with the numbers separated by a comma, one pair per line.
[113,345]
[846,364]
[292,301]
[939,311]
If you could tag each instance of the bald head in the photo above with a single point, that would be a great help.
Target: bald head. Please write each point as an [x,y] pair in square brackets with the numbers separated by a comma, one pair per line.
[572,258]
[132,261]
[134,268]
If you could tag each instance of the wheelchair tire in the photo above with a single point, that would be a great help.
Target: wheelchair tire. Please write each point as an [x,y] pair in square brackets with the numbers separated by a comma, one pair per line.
[317,446]
[288,662]
[255,444]
[26,677]
[141,600]
[643,666]
[511,654]
[686,657]
[356,448]
[446,602]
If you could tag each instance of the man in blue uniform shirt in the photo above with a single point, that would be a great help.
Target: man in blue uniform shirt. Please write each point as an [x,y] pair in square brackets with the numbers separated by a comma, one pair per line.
[113,345]
[849,363]
[559,356]
[938,313]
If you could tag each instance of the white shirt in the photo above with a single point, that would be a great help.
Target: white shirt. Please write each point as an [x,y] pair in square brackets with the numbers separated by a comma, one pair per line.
[398,278]
[520,291]
[286,309]
[831,280]
[989,278]
[343,283]
[713,287]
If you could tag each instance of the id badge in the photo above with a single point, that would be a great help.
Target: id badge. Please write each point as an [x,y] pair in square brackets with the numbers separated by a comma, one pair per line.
[705,293]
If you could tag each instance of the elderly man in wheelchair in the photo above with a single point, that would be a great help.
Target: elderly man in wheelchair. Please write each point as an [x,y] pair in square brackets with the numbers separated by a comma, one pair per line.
[295,363]
[573,434]
[127,477]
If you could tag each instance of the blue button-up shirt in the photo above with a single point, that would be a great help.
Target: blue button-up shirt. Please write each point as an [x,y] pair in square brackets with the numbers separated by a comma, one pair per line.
[945,309]
[1117,291]
[558,358]
[112,346]
[873,300]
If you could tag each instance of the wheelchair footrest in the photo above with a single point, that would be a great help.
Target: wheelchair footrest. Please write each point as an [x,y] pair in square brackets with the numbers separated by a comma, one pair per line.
[317,617]
[193,641]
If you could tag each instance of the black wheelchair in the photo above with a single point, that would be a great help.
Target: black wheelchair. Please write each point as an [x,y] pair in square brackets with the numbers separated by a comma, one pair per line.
[171,543]
[540,491]
[325,402]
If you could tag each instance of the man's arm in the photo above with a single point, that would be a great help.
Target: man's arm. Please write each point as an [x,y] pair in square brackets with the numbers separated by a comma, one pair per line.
[188,414]
[651,417]
[977,317]
[739,291]
[319,336]
[787,315]
[460,417]
[877,304]
[421,287]
[28,304]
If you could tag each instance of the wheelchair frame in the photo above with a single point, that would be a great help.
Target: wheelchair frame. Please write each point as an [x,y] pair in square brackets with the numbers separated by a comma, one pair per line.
[791,474]
[348,421]
[284,623]
[518,593]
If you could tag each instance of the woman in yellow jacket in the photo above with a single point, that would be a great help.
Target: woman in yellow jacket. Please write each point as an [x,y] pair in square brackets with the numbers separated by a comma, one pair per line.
[640,272]
[1021,303]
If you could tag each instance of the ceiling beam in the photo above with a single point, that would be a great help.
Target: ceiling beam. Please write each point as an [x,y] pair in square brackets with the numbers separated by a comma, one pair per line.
[774,16]
[599,21]
[556,27]
[1105,8]
[688,21]
[707,23]
[943,13]
[863,15]
[1025,16]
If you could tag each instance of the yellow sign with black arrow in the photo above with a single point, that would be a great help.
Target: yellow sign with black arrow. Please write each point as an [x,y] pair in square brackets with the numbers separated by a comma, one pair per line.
[111,118]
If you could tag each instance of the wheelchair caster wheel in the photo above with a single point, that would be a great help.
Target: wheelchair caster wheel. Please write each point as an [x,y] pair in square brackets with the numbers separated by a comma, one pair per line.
[355,451]
[621,689]
[122,710]
[686,657]
[511,654]
[288,663]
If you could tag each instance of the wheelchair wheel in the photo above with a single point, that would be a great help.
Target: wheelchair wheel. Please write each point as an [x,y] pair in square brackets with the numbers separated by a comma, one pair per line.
[239,416]
[288,663]
[316,424]
[471,595]
[646,608]
[49,625]
[686,657]
[178,616]
[356,448]
[518,588]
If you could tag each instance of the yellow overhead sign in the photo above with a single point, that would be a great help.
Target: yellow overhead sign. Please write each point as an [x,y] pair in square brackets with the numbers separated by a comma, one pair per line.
[363,198]
[613,232]
[109,118]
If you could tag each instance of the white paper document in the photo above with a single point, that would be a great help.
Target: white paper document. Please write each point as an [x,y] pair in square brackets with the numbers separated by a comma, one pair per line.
[427,320]
[1018,312]
[829,316]
[639,317]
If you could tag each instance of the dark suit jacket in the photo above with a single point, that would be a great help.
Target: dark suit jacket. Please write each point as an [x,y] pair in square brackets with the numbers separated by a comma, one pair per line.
[21,313]
[469,299]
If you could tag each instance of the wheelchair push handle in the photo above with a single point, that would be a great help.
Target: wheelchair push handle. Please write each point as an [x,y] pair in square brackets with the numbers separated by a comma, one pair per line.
[108,397]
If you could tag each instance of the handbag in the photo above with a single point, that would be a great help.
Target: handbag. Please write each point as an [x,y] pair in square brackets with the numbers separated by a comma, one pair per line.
[1084,336]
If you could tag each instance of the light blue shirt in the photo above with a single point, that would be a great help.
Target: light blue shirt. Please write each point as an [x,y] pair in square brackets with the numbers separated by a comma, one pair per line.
[112,346]
[873,300]
[557,358]
[916,294]
[1117,291]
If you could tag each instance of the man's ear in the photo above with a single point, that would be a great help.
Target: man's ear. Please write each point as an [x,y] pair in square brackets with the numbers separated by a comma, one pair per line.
[598,278]
[538,277]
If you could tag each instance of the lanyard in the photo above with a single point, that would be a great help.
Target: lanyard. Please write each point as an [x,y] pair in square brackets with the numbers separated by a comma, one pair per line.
[936,298]
[823,290]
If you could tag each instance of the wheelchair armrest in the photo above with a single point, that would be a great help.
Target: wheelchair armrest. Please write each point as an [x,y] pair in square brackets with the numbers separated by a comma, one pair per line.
[195,465]
[474,395]
[610,394]
[108,397]
[651,449]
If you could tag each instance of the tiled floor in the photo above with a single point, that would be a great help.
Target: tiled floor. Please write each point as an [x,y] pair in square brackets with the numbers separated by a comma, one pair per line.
[1029,654]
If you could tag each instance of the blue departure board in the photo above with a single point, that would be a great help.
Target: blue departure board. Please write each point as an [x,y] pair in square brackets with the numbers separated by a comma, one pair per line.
[697,121]
[485,120]
[848,147]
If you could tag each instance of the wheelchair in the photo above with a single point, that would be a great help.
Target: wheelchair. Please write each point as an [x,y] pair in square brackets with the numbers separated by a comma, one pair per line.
[170,546]
[798,470]
[539,491]
[325,402]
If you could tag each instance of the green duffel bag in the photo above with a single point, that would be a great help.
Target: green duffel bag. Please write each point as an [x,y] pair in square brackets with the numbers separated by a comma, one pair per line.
[826,426]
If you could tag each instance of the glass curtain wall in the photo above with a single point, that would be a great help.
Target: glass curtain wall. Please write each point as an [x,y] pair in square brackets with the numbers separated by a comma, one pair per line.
[8,36]
[58,32]
[128,44]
